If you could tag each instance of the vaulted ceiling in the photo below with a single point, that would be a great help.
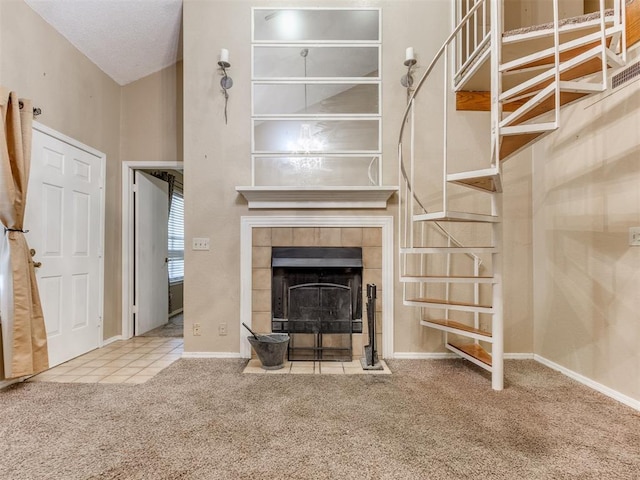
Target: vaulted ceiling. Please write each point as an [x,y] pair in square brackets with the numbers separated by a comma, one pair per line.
[127,39]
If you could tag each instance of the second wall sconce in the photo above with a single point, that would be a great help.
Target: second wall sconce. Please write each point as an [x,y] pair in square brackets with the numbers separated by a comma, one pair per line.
[226,82]
[409,62]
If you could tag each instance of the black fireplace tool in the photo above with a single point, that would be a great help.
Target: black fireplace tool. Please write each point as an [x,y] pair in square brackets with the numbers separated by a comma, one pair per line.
[370,360]
[262,338]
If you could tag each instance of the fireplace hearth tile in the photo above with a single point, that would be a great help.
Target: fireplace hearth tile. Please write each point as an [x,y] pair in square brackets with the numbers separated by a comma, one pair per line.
[254,366]
[350,368]
[317,368]
[303,368]
[331,368]
[286,369]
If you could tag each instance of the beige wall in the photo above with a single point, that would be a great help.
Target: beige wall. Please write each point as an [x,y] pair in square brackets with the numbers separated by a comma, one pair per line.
[584,180]
[586,196]
[525,13]
[141,121]
[217,158]
[78,100]
[151,122]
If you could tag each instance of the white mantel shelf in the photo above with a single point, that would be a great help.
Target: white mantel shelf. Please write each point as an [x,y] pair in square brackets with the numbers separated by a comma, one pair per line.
[316,197]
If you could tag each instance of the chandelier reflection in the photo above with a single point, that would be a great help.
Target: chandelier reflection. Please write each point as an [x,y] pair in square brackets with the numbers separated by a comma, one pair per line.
[306,144]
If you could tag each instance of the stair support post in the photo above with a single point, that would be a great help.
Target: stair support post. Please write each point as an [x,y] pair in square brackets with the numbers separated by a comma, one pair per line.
[412,176]
[603,42]
[497,350]
[497,320]
[445,131]
[476,291]
[497,25]
[622,18]
[556,58]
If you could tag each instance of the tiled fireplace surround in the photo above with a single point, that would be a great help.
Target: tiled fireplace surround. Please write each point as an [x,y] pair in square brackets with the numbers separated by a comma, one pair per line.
[370,238]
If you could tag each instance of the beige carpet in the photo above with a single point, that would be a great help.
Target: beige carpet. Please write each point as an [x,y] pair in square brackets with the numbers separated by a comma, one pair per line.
[204,419]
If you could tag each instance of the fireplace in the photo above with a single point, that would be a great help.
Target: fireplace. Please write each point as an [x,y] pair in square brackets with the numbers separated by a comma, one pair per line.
[317,299]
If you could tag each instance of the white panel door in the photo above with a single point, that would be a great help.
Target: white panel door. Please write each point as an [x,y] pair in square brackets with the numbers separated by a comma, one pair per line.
[64,218]
[151,252]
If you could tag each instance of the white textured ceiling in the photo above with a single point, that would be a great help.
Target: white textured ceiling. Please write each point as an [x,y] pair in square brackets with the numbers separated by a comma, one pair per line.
[127,39]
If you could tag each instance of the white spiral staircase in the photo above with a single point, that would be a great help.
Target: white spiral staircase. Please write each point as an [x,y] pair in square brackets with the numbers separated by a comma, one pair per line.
[450,226]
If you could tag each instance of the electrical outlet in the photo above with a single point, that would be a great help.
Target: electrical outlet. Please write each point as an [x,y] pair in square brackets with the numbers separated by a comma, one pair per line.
[222,329]
[196,330]
[200,244]
[634,236]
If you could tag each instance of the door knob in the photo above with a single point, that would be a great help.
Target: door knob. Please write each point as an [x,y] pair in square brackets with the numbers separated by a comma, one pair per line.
[37,264]
[32,252]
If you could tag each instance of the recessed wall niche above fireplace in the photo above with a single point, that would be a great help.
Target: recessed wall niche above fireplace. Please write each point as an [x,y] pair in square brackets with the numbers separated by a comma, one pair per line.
[316,113]
[317,299]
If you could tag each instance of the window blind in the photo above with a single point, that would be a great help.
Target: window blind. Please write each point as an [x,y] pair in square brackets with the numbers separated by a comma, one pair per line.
[176,238]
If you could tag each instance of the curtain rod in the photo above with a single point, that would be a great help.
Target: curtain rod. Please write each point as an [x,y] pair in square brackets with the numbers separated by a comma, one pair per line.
[36,111]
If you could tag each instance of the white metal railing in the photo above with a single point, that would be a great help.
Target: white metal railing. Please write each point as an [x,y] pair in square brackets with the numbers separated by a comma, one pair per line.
[409,202]
[474,36]
[611,40]
[471,38]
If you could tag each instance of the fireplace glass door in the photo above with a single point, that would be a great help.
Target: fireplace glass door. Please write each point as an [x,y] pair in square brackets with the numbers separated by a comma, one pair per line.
[320,307]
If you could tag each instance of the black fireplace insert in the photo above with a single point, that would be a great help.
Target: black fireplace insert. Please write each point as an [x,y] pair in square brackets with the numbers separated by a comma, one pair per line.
[317,293]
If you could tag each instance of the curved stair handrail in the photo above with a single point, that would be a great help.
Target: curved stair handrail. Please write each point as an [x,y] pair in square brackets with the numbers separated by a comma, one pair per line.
[433,63]
[463,22]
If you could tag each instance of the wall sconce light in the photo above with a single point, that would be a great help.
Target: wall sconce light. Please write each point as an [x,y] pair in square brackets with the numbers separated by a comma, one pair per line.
[409,62]
[226,82]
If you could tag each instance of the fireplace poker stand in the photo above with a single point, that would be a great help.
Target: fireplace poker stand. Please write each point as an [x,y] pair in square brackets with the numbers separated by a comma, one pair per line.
[370,360]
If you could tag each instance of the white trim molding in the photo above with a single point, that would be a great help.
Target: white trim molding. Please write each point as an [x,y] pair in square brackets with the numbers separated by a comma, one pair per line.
[211,355]
[385,222]
[424,356]
[316,197]
[110,340]
[445,355]
[11,381]
[609,392]
[518,356]
[128,260]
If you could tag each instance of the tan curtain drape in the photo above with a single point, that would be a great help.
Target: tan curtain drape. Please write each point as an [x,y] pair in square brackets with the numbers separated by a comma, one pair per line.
[24,335]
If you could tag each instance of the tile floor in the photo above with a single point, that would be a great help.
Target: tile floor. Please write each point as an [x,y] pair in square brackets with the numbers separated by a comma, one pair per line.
[317,368]
[128,361]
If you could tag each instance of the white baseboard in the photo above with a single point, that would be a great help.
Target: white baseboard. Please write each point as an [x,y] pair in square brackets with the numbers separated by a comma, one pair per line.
[211,355]
[423,355]
[111,340]
[11,381]
[518,356]
[609,392]
[445,355]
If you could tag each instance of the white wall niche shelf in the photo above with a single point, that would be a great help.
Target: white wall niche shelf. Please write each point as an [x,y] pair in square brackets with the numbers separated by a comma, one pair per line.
[270,197]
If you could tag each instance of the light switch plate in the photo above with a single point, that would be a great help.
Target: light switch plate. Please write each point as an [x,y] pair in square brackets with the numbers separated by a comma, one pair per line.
[634,236]
[200,244]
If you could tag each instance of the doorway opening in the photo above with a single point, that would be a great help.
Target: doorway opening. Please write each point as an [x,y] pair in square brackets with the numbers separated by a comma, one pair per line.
[153,249]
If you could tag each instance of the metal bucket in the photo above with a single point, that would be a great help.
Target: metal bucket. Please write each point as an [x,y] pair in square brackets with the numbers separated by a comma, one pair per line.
[271,349]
